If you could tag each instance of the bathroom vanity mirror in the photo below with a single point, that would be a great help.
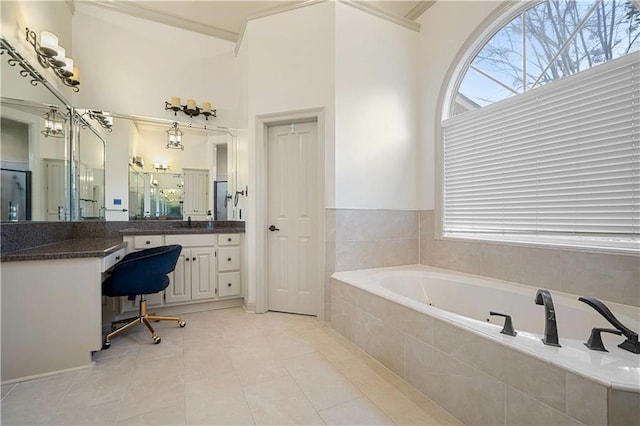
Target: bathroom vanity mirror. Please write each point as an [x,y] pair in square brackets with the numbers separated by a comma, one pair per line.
[88,168]
[175,182]
[35,161]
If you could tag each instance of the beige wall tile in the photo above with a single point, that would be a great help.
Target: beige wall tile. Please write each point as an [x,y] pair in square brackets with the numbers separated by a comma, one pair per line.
[539,379]
[467,393]
[381,341]
[526,411]
[341,318]
[405,319]
[586,400]
[611,277]
[624,408]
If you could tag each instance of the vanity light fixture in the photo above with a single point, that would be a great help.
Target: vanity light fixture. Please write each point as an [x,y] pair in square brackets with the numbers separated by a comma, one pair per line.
[51,55]
[53,124]
[190,108]
[160,167]
[103,118]
[137,161]
[174,137]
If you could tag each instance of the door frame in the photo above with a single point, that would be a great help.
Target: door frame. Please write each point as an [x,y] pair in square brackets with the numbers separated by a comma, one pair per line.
[263,122]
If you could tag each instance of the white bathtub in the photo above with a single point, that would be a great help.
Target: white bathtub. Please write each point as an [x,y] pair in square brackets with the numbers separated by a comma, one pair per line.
[465,301]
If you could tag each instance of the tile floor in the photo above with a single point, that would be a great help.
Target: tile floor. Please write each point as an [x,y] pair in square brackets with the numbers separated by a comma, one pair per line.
[225,367]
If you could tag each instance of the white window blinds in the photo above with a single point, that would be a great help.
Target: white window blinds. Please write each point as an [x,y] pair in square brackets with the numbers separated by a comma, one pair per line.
[562,160]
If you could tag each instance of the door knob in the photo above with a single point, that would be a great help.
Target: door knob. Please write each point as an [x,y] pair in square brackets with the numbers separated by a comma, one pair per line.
[273,228]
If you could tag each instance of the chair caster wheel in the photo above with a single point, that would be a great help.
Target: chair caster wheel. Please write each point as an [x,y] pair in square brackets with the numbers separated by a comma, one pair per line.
[106,345]
[182,324]
[156,340]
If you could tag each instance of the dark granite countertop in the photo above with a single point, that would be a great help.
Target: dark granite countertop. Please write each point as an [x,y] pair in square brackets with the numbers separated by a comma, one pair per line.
[194,230]
[67,249]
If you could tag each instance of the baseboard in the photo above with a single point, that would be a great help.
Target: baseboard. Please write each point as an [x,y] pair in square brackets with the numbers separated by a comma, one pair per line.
[249,307]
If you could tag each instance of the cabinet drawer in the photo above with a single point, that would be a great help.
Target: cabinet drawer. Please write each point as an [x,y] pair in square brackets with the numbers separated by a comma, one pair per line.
[229,284]
[201,240]
[112,259]
[147,241]
[228,239]
[228,259]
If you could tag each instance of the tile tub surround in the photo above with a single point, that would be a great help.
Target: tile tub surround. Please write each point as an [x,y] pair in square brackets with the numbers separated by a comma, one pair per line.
[477,380]
[361,239]
[613,277]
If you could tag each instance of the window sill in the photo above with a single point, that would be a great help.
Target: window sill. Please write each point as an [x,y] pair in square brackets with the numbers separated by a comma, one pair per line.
[626,248]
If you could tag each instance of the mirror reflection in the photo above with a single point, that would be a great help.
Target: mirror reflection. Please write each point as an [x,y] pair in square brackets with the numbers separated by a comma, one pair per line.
[35,178]
[89,170]
[176,170]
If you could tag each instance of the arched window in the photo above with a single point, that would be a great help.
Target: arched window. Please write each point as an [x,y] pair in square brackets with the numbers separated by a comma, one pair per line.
[541,132]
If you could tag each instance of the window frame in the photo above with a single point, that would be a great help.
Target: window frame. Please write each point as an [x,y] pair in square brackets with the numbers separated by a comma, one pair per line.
[475,43]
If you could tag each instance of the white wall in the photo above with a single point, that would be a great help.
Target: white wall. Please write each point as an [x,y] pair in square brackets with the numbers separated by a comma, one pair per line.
[375,106]
[290,66]
[53,16]
[132,66]
[445,27]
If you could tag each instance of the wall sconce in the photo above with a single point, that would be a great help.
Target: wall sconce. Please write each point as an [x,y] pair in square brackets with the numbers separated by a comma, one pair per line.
[51,55]
[174,137]
[53,124]
[190,108]
[160,167]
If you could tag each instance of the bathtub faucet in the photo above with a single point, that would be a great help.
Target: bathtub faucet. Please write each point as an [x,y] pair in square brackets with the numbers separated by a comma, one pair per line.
[631,344]
[543,297]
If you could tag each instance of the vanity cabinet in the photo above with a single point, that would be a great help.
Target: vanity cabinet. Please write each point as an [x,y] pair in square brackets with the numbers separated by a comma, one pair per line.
[229,265]
[208,269]
[196,193]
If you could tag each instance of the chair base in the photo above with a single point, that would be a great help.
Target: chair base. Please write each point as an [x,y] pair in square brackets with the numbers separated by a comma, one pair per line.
[142,318]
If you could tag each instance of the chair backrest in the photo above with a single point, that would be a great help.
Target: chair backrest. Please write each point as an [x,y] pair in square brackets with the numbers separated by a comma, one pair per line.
[142,272]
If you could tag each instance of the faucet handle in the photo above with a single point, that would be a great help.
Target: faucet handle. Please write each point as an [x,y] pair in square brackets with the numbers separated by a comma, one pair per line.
[508,325]
[595,340]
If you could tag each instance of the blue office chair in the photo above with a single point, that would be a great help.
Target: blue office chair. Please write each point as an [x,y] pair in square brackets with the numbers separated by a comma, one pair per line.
[139,273]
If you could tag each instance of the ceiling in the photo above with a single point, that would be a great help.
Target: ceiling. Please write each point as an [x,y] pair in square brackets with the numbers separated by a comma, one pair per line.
[226,19]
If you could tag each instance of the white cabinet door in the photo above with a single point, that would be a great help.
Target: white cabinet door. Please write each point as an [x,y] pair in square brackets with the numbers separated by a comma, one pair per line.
[179,289]
[203,273]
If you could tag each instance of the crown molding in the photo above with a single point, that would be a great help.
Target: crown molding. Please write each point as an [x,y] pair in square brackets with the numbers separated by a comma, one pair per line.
[419,9]
[151,14]
[381,13]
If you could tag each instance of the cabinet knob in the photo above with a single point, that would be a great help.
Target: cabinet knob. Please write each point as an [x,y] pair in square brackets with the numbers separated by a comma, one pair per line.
[229,284]
[147,242]
[193,258]
[229,259]
[117,258]
[229,239]
[186,259]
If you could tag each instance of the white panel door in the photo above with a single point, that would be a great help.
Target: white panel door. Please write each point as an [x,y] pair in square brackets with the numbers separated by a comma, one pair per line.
[294,261]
